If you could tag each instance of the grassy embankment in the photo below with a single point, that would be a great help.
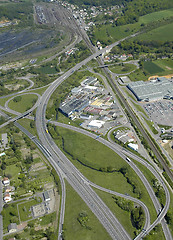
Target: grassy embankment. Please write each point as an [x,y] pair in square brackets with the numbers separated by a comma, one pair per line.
[92,228]
[122,68]
[89,156]
[25,102]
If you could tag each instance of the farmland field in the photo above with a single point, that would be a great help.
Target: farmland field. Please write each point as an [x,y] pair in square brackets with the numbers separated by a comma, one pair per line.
[152,68]
[163,33]
[166,64]
[111,33]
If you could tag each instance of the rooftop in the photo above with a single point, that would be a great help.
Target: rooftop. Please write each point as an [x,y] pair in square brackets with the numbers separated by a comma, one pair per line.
[152,90]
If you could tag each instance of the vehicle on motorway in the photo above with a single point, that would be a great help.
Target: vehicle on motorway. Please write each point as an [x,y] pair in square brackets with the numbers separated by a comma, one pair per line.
[128,159]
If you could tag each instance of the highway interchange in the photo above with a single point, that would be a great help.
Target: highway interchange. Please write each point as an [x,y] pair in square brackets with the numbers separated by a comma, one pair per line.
[66,170]
[77,180]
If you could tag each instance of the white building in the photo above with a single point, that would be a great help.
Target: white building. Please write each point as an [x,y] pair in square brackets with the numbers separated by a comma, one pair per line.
[133,146]
[7,197]
[6,181]
[96,124]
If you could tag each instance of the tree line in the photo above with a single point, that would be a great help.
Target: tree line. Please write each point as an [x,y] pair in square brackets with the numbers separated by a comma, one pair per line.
[136,8]
[16,11]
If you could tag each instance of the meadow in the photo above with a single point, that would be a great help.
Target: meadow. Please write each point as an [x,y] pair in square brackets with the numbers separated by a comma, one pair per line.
[111,33]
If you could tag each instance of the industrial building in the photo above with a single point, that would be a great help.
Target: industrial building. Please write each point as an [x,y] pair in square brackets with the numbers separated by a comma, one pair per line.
[74,105]
[96,124]
[124,136]
[152,90]
[76,90]
[89,81]
[133,146]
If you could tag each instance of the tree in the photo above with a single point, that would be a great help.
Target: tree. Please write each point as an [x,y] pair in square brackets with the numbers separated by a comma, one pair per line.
[169,218]
[17,99]
[32,124]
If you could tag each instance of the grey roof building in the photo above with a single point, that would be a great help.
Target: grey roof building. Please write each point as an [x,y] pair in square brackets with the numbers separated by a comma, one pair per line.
[46,196]
[148,91]
[89,80]
[4,139]
[12,227]
[74,105]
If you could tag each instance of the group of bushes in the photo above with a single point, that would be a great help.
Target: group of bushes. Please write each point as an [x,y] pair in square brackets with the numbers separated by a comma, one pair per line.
[136,213]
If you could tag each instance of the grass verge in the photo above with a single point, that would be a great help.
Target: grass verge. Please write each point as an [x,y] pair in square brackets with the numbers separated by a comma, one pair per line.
[81,148]
[72,225]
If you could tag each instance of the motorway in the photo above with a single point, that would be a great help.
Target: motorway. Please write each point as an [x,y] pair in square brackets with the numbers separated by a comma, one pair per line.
[65,168]
[73,176]
[120,151]
[40,115]
[123,153]
[62,164]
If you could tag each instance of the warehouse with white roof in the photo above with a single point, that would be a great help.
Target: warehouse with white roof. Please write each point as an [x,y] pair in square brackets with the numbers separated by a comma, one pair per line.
[148,91]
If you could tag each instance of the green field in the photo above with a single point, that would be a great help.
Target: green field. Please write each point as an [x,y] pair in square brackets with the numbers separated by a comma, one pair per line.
[29,125]
[151,125]
[156,16]
[138,75]
[122,68]
[84,148]
[49,69]
[166,65]
[139,108]
[13,170]
[152,68]
[25,210]
[159,67]
[10,214]
[91,153]
[109,33]
[123,216]
[26,102]
[163,33]
[72,228]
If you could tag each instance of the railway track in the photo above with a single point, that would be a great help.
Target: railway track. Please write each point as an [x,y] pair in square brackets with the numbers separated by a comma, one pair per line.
[152,144]
[145,134]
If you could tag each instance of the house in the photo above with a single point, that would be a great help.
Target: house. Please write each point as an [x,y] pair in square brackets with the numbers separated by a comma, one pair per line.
[9,189]
[2,154]
[12,227]
[6,181]
[7,197]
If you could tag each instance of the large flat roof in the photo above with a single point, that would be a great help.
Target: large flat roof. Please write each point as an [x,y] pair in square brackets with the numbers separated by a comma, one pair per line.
[152,90]
[74,105]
